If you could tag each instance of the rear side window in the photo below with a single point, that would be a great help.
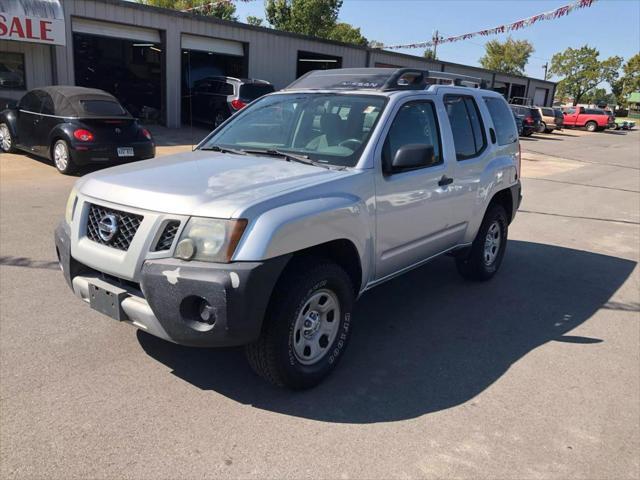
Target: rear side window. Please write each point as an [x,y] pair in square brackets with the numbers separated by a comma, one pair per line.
[103,108]
[251,91]
[503,121]
[31,102]
[466,125]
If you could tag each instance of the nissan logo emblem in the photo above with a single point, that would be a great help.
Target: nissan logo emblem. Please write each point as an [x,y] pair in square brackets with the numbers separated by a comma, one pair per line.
[108,227]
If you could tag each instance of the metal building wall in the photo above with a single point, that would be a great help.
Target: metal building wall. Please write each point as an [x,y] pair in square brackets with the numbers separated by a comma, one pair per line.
[37,65]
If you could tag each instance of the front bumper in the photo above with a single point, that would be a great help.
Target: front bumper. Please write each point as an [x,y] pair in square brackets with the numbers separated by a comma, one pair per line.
[165,302]
[87,154]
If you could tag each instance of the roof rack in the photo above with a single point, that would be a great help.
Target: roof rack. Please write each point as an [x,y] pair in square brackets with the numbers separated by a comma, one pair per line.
[381,79]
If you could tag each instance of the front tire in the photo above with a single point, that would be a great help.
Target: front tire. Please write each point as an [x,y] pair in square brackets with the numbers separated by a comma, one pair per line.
[483,259]
[307,325]
[61,157]
[591,126]
[6,139]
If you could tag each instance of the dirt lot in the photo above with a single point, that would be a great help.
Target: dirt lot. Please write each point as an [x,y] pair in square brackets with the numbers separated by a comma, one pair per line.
[535,374]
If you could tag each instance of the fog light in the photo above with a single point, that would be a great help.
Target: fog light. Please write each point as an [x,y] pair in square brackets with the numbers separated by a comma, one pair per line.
[207,312]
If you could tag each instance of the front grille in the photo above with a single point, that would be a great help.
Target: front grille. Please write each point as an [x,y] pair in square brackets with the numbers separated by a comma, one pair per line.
[127,226]
[168,235]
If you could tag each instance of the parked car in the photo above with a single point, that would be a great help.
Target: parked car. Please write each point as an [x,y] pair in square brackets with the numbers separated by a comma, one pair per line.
[214,99]
[552,119]
[531,119]
[74,126]
[624,124]
[592,119]
[519,123]
[266,234]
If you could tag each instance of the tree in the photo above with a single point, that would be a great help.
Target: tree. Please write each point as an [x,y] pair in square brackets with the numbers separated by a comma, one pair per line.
[223,10]
[631,77]
[343,32]
[582,71]
[316,18]
[375,44]
[510,56]
[255,21]
[429,54]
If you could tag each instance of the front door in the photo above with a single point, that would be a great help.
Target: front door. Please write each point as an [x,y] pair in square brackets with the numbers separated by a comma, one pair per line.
[413,207]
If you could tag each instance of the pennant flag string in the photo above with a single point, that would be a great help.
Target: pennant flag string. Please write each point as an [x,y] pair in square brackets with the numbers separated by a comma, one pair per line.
[509,27]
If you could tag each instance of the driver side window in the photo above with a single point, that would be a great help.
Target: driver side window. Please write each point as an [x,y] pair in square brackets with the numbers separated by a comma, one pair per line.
[415,124]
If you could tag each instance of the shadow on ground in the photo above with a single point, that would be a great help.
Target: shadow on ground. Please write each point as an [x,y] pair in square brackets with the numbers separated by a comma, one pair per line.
[428,340]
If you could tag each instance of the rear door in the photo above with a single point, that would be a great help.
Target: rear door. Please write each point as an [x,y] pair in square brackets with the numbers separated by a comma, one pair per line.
[469,136]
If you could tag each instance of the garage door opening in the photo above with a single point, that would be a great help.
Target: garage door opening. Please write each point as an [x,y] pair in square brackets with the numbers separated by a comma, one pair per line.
[308,61]
[131,70]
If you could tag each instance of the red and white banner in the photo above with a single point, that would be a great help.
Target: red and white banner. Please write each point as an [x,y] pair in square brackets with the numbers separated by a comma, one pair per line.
[509,27]
[35,21]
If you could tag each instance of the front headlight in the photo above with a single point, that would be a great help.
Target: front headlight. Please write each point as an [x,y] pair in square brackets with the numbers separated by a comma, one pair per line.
[71,206]
[210,239]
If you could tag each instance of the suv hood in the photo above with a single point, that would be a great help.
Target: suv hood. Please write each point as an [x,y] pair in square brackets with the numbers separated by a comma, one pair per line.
[200,183]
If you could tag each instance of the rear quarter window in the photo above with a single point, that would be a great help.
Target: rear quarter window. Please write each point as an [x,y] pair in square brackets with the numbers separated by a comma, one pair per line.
[103,108]
[466,125]
[503,121]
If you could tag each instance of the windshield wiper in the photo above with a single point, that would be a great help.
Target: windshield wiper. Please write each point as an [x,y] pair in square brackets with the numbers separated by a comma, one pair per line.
[218,148]
[290,157]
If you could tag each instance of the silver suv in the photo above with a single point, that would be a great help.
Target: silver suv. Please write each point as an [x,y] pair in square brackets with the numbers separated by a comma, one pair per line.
[266,234]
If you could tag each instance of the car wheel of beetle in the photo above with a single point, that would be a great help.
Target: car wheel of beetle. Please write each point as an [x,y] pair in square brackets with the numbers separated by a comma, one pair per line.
[483,259]
[62,158]
[6,139]
[307,325]
[591,126]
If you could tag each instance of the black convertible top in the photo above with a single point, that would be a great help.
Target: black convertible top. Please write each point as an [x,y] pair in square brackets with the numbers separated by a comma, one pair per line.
[67,100]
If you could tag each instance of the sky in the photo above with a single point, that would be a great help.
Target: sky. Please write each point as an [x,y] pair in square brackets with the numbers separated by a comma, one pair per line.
[612,26]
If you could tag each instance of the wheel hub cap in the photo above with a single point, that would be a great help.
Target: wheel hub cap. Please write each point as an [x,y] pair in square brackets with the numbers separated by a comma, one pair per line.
[5,138]
[316,327]
[60,156]
[492,243]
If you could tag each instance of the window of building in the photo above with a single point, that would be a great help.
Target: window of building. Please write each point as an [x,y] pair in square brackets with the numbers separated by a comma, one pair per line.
[12,71]
[467,128]
[308,61]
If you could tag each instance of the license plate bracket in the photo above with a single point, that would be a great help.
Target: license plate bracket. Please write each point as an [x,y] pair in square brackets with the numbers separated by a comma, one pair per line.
[125,151]
[108,301]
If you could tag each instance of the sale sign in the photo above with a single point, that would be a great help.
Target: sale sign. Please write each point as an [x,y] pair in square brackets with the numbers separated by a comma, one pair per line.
[39,21]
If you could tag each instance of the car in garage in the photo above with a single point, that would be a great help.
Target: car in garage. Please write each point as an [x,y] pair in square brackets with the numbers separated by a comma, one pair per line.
[214,99]
[74,126]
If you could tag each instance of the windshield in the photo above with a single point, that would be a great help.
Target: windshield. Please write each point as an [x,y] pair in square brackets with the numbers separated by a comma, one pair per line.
[327,128]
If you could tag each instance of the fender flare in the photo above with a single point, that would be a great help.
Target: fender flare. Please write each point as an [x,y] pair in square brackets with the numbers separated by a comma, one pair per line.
[308,223]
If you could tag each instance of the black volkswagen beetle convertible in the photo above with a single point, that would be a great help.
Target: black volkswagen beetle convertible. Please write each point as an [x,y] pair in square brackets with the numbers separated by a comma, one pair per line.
[74,126]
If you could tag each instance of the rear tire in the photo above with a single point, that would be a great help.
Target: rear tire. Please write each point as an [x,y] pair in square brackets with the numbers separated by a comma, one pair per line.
[591,126]
[6,139]
[483,259]
[61,156]
[307,325]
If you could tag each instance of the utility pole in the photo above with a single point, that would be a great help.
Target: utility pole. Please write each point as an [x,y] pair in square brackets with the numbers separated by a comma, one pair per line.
[545,66]
[435,45]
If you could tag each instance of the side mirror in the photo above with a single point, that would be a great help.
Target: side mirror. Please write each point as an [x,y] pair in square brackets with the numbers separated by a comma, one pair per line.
[410,157]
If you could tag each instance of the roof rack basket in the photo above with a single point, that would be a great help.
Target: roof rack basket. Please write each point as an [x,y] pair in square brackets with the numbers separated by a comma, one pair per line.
[381,79]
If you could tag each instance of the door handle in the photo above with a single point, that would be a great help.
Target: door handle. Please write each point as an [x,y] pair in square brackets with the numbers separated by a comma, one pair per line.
[445,181]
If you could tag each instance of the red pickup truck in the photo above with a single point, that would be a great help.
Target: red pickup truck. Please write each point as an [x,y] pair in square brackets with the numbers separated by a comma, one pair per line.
[590,118]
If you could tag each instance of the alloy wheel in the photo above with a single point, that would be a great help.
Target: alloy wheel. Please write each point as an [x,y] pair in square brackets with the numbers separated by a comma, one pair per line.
[61,156]
[492,243]
[5,138]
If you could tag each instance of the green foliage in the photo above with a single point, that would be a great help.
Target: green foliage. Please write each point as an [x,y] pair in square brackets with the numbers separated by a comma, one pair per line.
[510,56]
[582,71]
[255,21]
[343,32]
[429,54]
[631,77]
[599,96]
[223,10]
[316,18]
[375,44]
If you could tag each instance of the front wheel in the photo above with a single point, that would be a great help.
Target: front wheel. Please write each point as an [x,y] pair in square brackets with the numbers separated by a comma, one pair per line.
[62,158]
[591,126]
[483,259]
[307,325]
[6,139]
